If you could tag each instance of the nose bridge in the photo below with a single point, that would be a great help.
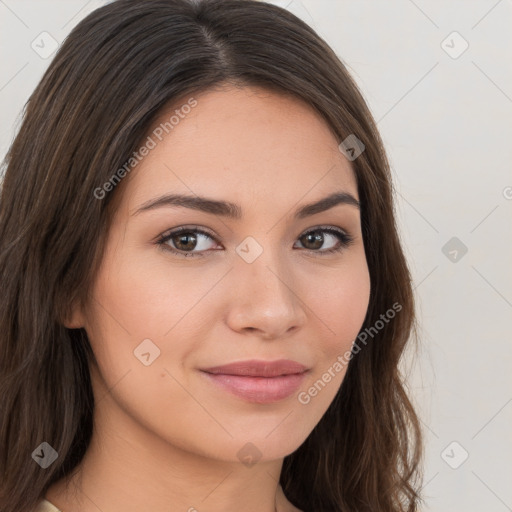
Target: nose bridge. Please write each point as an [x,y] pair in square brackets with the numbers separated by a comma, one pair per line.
[265,300]
[263,263]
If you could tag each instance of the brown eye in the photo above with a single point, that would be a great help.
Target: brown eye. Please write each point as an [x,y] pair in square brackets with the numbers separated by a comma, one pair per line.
[315,239]
[192,242]
[184,240]
[312,240]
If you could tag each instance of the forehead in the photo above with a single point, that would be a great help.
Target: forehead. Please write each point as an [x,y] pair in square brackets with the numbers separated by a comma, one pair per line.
[240,143]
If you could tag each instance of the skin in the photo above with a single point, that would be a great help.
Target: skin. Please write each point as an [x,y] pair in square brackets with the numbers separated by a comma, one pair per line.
[164,438]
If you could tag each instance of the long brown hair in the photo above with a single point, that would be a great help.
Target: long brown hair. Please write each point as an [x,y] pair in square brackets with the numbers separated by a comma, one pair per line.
[107,84]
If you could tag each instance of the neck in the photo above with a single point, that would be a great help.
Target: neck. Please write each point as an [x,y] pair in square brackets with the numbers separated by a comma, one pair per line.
[128,468]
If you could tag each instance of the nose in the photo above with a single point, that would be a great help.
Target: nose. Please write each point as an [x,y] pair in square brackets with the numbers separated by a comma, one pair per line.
[266,301]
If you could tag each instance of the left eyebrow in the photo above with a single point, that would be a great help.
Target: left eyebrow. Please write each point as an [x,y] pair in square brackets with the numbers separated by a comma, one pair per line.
[326,203]
[234,211]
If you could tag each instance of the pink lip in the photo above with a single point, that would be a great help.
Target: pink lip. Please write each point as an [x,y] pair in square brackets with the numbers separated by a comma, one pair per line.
[259,381]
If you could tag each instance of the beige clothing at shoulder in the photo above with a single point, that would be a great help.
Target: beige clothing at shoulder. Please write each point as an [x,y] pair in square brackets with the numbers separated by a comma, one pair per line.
[46,506]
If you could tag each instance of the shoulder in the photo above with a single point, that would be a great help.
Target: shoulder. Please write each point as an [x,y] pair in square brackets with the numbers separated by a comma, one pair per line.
[45,506]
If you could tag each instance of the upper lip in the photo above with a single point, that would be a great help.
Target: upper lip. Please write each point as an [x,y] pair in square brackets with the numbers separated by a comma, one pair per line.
[259,368]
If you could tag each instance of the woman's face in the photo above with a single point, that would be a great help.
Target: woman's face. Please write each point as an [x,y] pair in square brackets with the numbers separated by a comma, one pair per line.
[251,286]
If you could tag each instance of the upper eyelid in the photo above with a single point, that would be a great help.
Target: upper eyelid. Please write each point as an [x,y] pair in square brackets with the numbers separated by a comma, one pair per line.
[205,231]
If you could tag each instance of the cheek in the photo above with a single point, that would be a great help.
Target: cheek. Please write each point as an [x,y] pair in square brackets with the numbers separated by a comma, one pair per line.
[145,315]
[346,306]
[145,311]
[341,300]
[144,296]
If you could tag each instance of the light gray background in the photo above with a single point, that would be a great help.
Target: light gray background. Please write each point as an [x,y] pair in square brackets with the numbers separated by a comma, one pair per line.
[446,124]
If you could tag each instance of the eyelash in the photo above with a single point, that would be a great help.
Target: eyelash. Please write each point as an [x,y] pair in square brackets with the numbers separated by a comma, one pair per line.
[344,239]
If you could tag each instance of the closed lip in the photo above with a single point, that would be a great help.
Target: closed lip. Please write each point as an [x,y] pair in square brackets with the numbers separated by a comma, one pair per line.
[261,382]
[258,368]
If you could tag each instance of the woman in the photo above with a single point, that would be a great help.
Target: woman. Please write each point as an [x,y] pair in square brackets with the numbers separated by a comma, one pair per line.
[205,300]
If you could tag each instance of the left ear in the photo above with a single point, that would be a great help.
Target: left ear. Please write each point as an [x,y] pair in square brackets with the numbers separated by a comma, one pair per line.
[73,318]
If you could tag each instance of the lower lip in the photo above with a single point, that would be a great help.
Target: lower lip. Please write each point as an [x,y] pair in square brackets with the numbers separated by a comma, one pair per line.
[259,389]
